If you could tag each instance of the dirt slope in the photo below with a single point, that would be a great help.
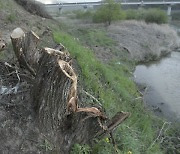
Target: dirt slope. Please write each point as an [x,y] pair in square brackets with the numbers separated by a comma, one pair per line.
[18,131]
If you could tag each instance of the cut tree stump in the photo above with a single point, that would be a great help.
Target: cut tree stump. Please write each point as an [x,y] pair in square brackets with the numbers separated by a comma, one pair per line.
[25,48]
[55,95]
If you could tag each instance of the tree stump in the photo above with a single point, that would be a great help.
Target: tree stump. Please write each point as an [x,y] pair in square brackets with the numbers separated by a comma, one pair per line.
[55,96]
[25,48]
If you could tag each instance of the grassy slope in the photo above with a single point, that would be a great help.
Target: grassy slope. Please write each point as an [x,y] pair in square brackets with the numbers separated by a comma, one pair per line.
[111,83]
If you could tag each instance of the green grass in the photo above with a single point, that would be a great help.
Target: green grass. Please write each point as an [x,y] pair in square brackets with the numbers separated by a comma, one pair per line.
[93,37]
[117,92]
[11,18]
[10,12]
[83,14]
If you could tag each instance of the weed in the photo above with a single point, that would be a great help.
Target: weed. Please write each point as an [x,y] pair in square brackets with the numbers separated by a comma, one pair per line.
[94,37]
[81,149]
[47,145]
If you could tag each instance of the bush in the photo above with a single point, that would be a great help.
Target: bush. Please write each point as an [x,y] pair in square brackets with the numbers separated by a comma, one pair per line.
[108,12]
[83,14]
[131,14]
[156,16]
[150,16]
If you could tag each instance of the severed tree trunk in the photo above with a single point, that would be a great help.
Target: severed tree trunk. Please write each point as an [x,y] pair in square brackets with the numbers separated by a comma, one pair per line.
[25,48]
[55,95]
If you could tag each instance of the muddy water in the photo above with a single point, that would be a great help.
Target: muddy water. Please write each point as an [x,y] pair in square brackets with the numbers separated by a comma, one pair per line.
[162,81]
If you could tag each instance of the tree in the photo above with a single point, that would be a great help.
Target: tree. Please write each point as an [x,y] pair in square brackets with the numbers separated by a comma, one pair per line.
[108,12]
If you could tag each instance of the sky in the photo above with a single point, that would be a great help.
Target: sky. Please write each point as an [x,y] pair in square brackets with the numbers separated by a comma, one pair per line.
[54,1]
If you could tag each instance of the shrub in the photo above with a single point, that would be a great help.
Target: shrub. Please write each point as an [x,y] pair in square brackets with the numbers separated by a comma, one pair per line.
[150,16]
[83,14]
[156,16]
[108,12]
[131,14]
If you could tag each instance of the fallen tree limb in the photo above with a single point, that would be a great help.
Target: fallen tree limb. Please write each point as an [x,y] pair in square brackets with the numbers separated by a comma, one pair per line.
[113,123]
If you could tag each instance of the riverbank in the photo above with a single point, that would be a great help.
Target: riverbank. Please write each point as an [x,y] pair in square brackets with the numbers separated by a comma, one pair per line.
[160,85]
[104,71]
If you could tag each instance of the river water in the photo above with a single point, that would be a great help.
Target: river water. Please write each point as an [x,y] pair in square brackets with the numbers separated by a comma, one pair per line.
[162,81]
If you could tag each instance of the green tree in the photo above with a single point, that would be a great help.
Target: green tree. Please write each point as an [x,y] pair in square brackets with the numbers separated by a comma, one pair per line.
[108,12]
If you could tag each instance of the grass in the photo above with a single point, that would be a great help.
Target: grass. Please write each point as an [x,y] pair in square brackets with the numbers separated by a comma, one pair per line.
[10,14]
[111,84]
[11,18]
[83,14]
[93,37]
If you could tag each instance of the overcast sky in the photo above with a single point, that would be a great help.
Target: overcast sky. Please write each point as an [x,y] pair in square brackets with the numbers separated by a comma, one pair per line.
[51,1]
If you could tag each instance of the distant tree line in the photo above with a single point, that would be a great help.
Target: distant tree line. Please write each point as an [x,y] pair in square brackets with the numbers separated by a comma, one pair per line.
[111,11]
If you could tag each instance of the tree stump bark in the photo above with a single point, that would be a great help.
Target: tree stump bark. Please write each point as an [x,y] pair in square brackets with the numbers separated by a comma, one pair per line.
[55,95]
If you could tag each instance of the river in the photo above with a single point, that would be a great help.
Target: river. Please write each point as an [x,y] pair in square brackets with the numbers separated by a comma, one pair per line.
[162,82]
